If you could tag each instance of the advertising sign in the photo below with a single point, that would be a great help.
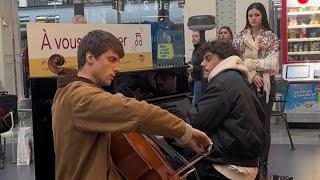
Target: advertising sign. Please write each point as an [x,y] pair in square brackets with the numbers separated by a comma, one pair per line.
[46,39]
[303,98]
[165,51]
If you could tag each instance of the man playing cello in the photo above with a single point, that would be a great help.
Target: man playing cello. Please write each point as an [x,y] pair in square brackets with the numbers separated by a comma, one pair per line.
[84,115]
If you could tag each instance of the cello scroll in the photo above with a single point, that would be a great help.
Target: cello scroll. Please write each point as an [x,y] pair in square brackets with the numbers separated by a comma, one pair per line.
[55,62]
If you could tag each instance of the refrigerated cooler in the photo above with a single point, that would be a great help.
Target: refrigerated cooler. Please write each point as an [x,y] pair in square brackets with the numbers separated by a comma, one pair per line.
[300,36]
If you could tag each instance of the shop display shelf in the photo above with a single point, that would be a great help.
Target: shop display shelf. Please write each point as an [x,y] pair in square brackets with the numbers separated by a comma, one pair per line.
[304,39]
[304,53]
[303,13]
[304,26]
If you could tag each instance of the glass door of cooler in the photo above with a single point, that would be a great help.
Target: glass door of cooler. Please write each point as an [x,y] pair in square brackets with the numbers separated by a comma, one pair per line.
[303,22]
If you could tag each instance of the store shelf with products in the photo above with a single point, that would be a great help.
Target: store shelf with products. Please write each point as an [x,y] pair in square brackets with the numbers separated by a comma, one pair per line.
[304,39]
[303,13]
[304,53]
[303,34]
[304,26]
[303,47]
[304,17]
[300,36]
[304,58]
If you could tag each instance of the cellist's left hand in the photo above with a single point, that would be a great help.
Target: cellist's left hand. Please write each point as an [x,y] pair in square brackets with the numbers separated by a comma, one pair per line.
[200,142]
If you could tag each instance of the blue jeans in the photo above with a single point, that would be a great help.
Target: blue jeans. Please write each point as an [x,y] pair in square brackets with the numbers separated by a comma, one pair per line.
[197,92]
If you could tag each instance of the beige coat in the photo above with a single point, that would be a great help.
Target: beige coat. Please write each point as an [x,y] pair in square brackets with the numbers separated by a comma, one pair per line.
[84,115]
[260,55]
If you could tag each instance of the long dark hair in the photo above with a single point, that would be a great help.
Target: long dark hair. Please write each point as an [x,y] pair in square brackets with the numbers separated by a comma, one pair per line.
[228,29]
[262,9]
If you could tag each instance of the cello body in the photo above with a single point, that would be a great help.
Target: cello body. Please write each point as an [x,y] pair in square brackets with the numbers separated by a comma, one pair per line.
[138,158]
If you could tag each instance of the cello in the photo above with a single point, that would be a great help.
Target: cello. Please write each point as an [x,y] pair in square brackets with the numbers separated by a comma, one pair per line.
[150,162]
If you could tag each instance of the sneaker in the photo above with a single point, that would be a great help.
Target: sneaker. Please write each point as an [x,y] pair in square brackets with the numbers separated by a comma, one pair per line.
[263,170]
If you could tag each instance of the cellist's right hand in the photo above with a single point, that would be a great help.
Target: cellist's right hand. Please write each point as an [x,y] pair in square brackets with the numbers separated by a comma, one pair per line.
[200,142]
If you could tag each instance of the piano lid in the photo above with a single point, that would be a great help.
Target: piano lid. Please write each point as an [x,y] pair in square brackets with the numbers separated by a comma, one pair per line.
[151,84]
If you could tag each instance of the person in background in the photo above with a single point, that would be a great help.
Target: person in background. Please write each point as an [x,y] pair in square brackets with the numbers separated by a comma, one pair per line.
[230,113]
[259,48]
[1,87]
[84,115]
[225,34]
[26,73]
[79,19]
[196,70]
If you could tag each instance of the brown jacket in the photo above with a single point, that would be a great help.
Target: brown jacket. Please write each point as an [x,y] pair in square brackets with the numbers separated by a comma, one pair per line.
[84,115]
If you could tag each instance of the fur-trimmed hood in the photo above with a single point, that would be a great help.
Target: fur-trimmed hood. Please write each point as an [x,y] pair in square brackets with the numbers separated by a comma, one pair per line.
[232,62]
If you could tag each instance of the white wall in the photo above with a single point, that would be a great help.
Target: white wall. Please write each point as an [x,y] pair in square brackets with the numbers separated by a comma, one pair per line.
[6,54]
[226,14]
[10,57]
[241,8]
[1,55]
[192,8]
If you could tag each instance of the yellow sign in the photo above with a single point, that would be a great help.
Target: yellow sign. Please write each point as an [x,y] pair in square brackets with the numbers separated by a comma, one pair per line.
[46,39]
[165,51]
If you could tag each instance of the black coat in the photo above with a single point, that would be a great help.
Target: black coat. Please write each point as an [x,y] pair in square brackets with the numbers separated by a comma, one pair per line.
[196,61]
[231,115]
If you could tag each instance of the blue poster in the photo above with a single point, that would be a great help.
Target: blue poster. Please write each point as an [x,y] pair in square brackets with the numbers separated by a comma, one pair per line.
[303,98]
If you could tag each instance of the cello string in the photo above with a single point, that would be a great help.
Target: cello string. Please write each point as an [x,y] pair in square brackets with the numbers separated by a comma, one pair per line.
[169,149]
[184,161]
[173,153]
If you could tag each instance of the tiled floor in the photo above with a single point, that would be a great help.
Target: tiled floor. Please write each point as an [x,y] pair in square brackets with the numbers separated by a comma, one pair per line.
[299,136]
[302,164]
[14,172]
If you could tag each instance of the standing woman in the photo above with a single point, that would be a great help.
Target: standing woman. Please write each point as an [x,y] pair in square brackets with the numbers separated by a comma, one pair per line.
[196,73]
[225,34]
[258,46]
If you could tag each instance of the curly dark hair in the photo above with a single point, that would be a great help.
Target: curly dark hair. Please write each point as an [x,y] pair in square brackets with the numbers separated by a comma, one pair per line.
[223,50]
[97,42]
